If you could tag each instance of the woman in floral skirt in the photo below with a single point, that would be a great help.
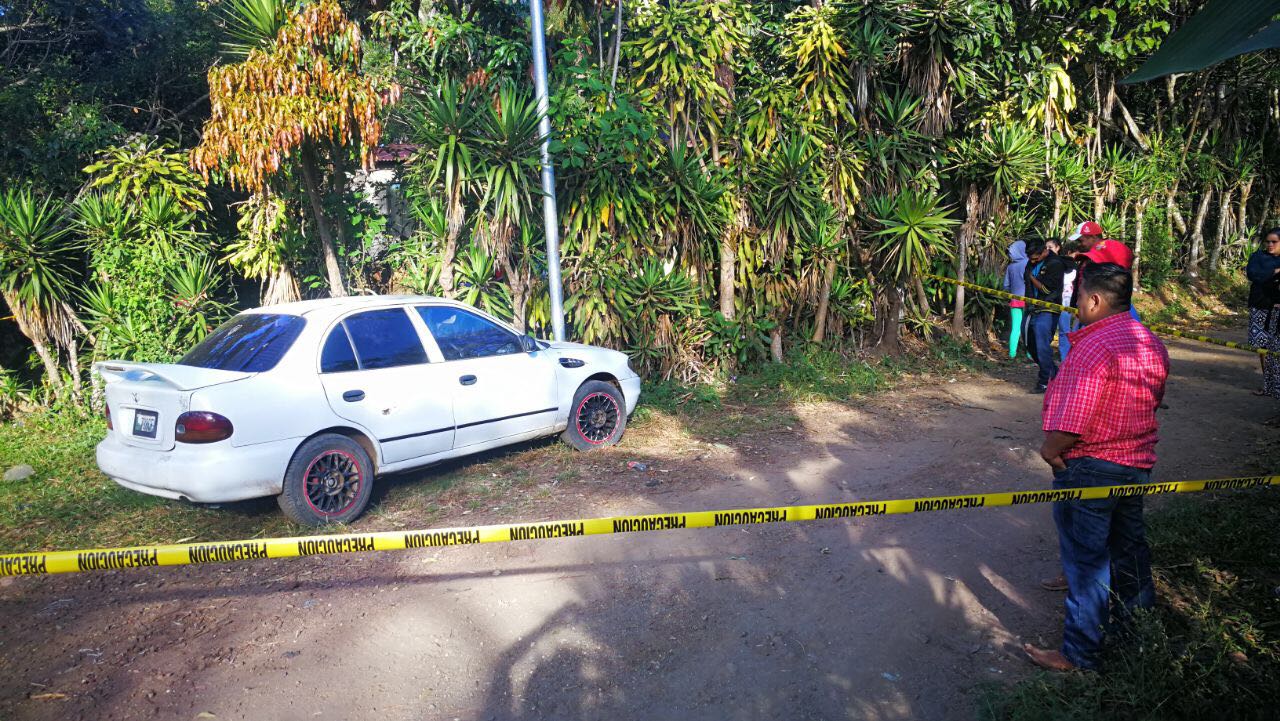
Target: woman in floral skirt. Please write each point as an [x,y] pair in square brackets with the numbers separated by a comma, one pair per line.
[1264,310]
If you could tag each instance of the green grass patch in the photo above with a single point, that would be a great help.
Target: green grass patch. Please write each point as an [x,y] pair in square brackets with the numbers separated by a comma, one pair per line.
[1171,312]
[1210,650]
[68,502]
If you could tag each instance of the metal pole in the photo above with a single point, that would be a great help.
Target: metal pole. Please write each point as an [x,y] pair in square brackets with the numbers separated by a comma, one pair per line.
[549,215]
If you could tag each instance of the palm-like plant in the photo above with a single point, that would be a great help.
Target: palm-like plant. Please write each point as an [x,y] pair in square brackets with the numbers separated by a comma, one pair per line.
[478,283]
[872,30]
[680,45]
[786,190]
[507,163]
[599,296]
[36,276]
[913,226]
[942,39]
[265,247]
[612,203]
[1009,162]
[165,227]
[417,258]
[443,123]
[1070,182]
[657,300]
[814,44]
[897,153]
[995,167]
[252,25]
[194,287]
[688,204]
[133,171]
[909,229]
[824,249]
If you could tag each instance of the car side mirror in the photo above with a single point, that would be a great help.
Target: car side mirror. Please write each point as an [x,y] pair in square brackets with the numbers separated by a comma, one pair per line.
[528,344]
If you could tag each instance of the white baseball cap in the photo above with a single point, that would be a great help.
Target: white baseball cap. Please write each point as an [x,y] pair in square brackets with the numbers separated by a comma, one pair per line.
[1088,227]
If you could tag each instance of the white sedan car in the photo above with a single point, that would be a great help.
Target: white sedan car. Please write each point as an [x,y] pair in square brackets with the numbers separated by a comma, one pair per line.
[310,401]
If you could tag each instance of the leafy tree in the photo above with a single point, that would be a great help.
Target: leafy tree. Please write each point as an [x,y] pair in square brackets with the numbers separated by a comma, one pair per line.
[267,247]
[80,75]
[303,92]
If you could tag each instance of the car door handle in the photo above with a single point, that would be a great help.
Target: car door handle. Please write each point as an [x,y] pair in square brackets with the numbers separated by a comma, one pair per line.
[467,380]
[353,396]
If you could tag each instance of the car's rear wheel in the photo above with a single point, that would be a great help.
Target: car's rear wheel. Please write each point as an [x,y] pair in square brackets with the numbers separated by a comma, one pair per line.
[597,418]
[329,480]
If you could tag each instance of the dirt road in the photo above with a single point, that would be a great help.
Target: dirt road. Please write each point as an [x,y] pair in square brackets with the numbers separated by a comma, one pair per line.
[882,618]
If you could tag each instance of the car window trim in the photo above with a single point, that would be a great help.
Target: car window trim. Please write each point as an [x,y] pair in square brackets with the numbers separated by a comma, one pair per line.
[434,354]
[352,343]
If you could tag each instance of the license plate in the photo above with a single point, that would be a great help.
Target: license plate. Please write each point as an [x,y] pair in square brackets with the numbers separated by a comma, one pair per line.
[144,423]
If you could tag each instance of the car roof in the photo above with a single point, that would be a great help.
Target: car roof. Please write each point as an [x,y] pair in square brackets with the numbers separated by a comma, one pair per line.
[330,307]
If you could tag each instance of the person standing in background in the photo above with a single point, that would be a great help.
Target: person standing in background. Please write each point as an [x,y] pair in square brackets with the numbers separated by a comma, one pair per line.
[1015,283]
[1263,272]
[1044,282]
[1066,321]
[1102,250]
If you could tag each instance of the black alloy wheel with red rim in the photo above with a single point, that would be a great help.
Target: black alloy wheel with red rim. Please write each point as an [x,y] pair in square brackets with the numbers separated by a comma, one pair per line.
[329,480]
[333,483]
[597,418]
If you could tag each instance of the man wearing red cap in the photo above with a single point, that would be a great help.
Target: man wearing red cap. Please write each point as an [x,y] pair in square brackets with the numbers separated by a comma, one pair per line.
[1103,250]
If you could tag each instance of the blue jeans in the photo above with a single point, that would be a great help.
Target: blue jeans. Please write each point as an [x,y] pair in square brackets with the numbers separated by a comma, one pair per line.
[1105,556]
[1066,323]
[1043,326]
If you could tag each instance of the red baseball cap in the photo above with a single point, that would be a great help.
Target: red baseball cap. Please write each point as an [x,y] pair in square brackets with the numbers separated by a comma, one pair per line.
[1111,251]
[1086,228]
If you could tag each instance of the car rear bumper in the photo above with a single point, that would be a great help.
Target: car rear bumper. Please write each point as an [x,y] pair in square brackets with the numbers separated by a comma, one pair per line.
[630,392]
[214,473]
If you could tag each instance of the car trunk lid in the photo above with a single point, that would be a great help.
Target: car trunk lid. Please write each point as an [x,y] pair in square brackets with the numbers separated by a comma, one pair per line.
[146,398]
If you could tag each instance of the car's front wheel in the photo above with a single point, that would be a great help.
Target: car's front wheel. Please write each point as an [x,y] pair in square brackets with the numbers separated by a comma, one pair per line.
[329,480]
[597,418]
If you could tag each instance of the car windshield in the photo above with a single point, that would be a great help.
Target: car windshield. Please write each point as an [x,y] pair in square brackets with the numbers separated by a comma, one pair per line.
[249,343]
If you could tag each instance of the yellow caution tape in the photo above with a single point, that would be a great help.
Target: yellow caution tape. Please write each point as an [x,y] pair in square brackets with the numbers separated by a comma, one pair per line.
[1166,330]
[1155,327]
[183,554]
[1002,293]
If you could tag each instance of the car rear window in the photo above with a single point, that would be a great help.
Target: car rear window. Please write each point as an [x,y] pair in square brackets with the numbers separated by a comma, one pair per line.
[249,343]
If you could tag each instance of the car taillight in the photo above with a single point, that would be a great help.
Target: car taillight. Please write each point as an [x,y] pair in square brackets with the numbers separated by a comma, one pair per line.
[107,410]
[202,427]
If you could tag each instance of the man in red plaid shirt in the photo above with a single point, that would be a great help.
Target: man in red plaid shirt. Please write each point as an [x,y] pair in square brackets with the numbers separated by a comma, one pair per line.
[1100,430]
